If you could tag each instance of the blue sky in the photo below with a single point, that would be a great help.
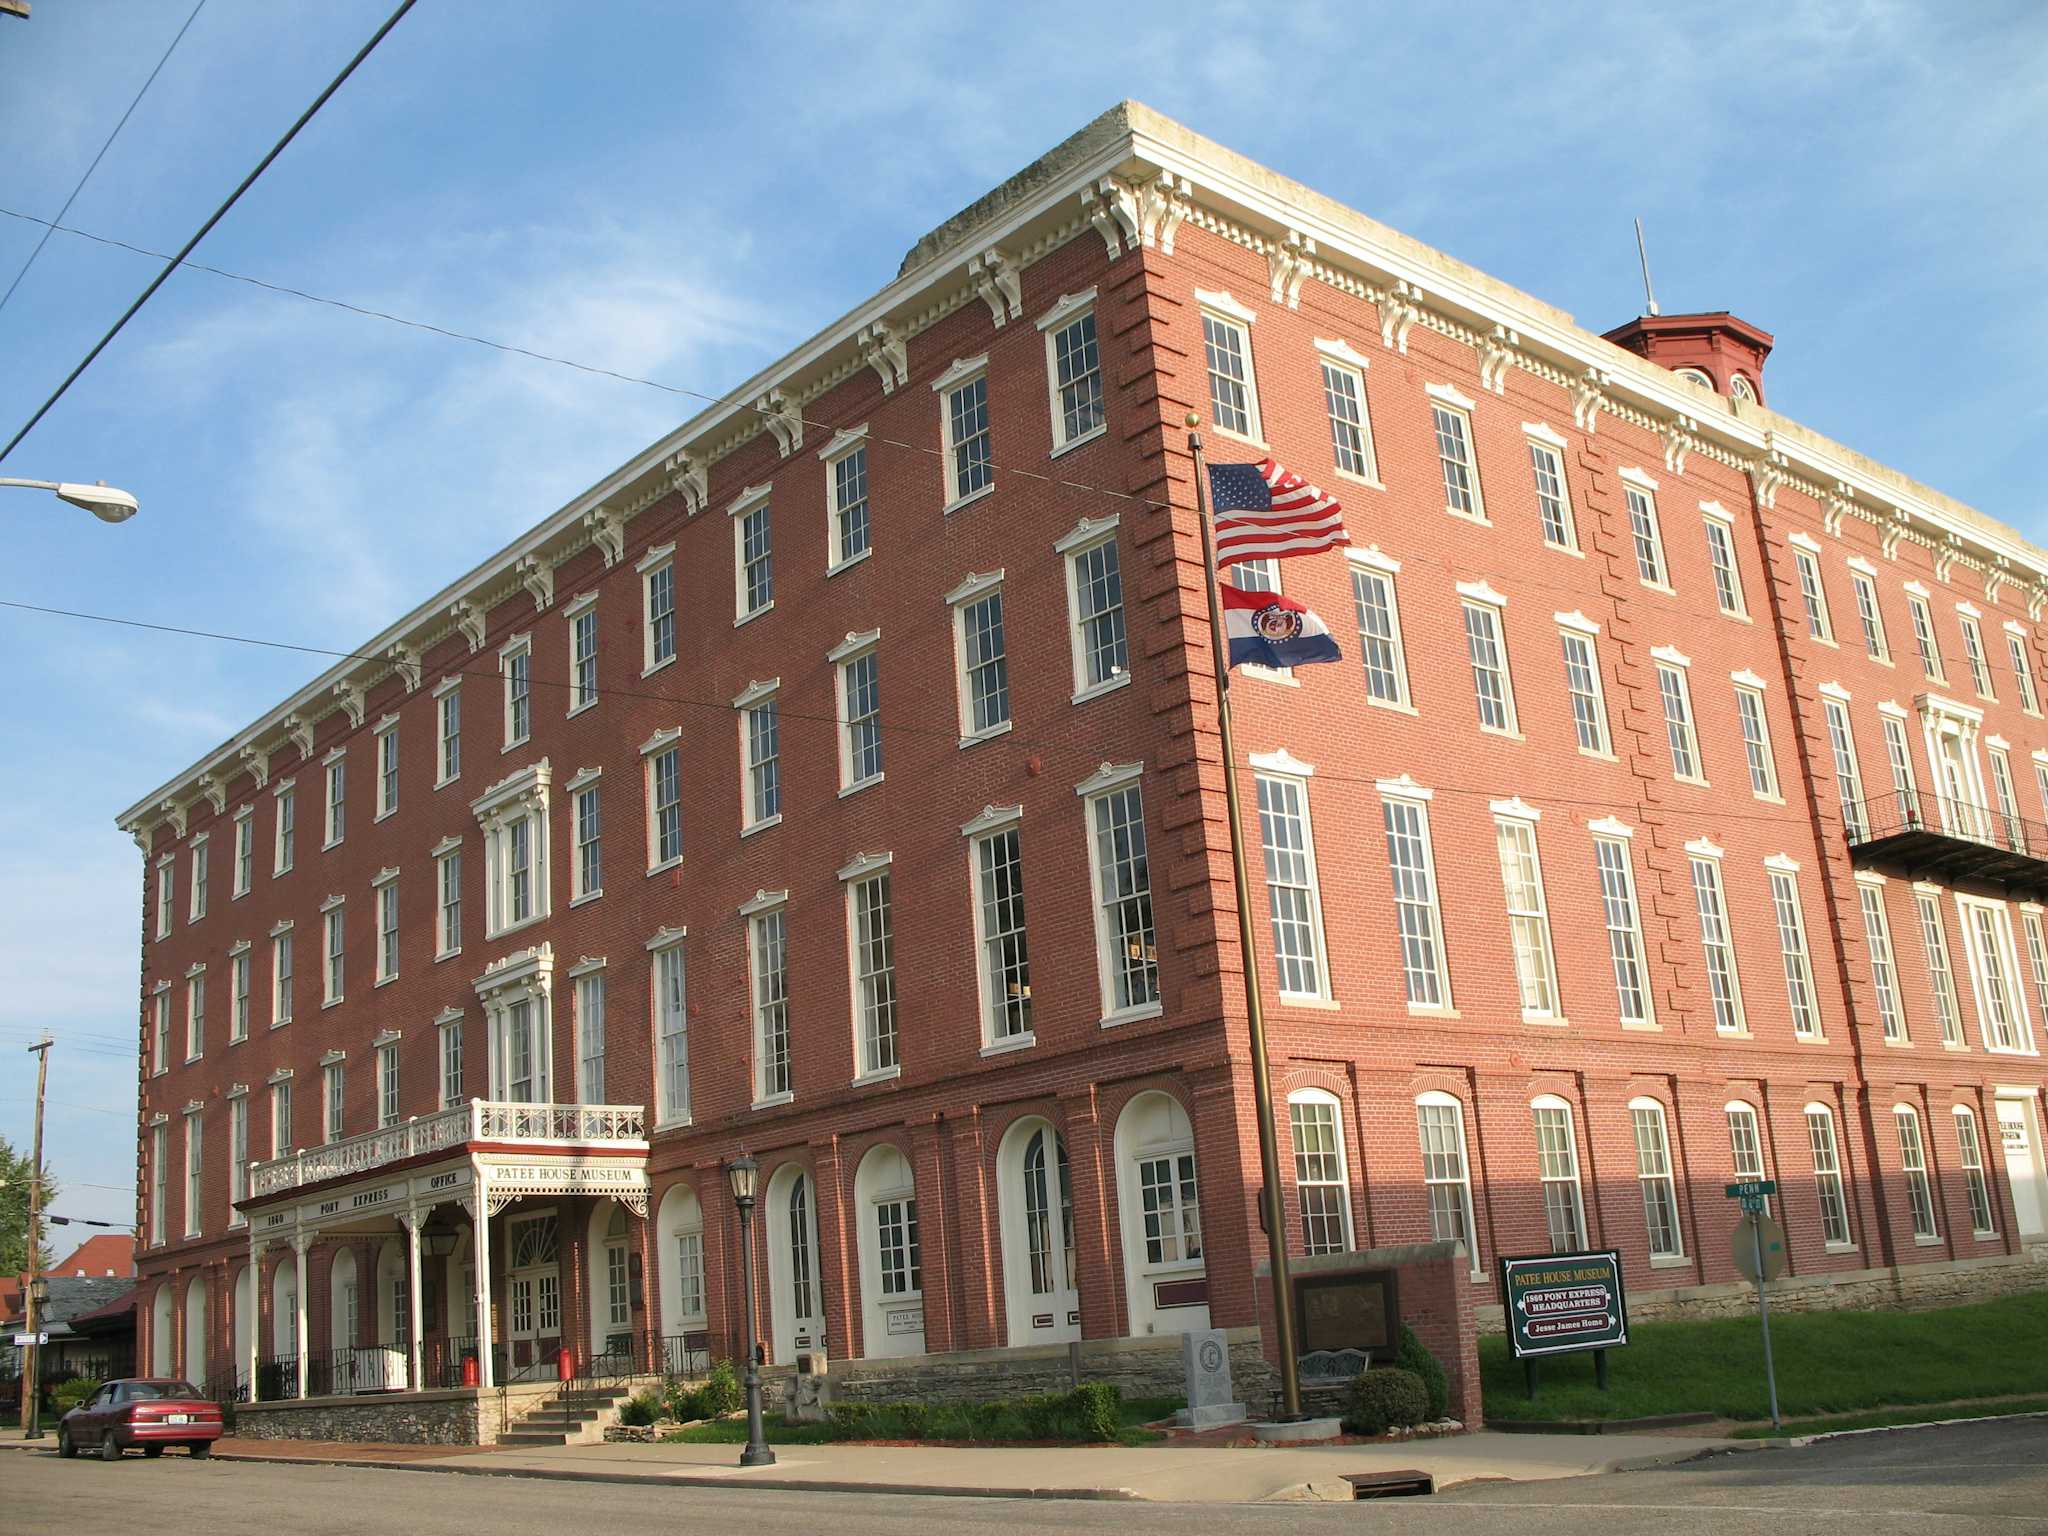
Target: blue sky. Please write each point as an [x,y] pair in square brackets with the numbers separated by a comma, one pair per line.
[682,192]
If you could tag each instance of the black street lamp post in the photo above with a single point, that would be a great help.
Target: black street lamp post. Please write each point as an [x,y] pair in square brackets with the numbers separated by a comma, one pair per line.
[741,1171]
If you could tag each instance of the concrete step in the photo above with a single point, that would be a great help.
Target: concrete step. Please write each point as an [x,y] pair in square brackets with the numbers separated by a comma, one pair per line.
[531,1439]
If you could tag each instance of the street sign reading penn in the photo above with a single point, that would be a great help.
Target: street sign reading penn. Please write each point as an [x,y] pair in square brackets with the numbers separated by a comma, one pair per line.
[1564,1302]
[1750,1189]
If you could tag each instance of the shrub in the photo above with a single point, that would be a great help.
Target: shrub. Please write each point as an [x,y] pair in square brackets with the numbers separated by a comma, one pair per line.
[913,1420]
[720,1393]
[1384,1399]
[640,1408]
[67,1395]
[1097,1408]
[1415,1356]
[851,1421]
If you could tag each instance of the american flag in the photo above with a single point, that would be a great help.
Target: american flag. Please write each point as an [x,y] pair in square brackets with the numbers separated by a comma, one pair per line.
[1265,511]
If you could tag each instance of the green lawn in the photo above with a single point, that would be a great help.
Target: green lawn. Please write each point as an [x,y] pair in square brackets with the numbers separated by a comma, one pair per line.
[1134,1414]
[1828,1362]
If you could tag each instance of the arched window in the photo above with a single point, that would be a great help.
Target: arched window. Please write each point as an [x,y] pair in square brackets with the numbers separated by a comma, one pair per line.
[1557,1159]
[892,1269]
[1440,1122]
[1036,1204]
[1739,388]
[1827,1176]
[1653,1172]
[1695,376]
[789,1231]
[1160,1213]
[680,1221]
[1321,1183]
[1745,1143]
[1971,1155]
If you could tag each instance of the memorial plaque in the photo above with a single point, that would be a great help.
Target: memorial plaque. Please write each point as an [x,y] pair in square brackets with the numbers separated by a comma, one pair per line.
[1205,1357]
[1355,1311]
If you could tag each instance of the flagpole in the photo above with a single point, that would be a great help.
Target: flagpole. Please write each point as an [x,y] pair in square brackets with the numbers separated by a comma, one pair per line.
[1262,1072]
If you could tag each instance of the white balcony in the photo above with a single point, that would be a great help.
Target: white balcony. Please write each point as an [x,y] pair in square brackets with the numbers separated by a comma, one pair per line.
[540,1126]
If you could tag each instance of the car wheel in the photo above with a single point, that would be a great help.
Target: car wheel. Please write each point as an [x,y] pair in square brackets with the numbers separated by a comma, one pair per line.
[152,1451]
[110,1448]
[201,1451]
[64,1446]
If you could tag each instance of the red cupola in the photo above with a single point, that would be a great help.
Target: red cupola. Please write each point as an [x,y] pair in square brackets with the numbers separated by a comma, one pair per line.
[1717,350]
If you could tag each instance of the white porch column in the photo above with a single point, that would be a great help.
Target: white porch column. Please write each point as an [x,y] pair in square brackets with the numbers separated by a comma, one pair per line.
[480,1248]
[413,1221]
[299,1246]
[254,1322]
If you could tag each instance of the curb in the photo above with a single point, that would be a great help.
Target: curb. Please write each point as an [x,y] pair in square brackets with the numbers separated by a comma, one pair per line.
[1598,1426]
[1655,1460]
[1800,1442]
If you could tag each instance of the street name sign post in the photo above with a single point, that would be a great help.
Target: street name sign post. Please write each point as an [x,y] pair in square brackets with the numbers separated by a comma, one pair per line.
[1563,1303]
[1758,1248]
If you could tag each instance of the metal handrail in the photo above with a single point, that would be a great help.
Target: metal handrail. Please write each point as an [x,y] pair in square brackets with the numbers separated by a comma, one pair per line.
[1880,816]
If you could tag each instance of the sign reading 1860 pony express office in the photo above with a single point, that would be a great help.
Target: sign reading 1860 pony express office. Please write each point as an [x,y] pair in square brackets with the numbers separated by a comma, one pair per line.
[1563,1302]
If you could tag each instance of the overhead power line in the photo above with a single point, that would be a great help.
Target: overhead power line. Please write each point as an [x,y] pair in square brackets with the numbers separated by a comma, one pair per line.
[219,213]
[96,159]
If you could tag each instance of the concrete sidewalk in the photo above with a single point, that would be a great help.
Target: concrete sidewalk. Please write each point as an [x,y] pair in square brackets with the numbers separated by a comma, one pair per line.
[1166,1473]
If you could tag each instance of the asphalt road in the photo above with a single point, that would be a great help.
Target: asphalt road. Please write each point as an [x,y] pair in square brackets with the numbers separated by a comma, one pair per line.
[1981,1478]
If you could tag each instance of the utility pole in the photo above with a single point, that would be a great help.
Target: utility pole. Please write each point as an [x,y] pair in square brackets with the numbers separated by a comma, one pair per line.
[31,1385]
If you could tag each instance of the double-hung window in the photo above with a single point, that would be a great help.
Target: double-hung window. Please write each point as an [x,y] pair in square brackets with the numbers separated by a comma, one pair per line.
[1126,949]
[658,607]
[671,1030]
[1941,975]
[847,510]
[1379,627]
[1848,777]
[448,899]
[281,1115]
[858,661]
[760,727]
[1884,976]
[159,1178]
[590,1039]
[1994,974]
[964,427]
[870,931]
[1095,607]
[1721,557]
[1924,639]
[768,964]
[1227,353]
[2037,955]
[1756,736]
[2022,673]
[1624,927]
[1792,947]
[281,975]
[582,653]
[1827,1176]
[514,819]
[245,849]
[586,826]
[1451,417]
[1868,615]
[451,1059]
[195,1013]
[286,806]
[1905,793]
[387,926]
[1521,875]
[1404,811]
[663,755]
[387,766]
[1973,652]
[448,731]
[981,657]
[1487,650]
[200,861]
[238,1155]
[1344,399]
[1813,596]
[1553,494]
[896,1247]
[1171,1206]
[1640,492]
[337,799]
[387,1085]
[1321,1185]
[1557,1166]
[515,664]
[1005,956]
[1678,727]
[1970,1154]
[332,953]
[160,1051]
[2008,802]
[195,1183]
[753,552]
[1446,1175]
[1653,1172]
[1724,984]
[1582,683]
[1913,1162]
[238,988]
[1746,1145]
[1073,370]
[333,1098]
[1292,899]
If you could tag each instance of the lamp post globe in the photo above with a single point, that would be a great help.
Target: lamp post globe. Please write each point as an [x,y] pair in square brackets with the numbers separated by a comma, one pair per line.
[741,1174]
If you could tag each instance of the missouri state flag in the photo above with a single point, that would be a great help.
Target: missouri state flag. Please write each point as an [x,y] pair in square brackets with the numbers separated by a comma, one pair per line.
[1268,630]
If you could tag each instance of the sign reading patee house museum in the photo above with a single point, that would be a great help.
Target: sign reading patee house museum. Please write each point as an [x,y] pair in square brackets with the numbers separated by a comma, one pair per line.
[1563,1302]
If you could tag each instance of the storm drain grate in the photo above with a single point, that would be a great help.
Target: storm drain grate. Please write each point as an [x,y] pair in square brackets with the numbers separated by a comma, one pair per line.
[1404,1483]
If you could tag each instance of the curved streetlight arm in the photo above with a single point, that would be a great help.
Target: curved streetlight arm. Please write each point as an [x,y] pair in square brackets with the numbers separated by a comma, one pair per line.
[103,501]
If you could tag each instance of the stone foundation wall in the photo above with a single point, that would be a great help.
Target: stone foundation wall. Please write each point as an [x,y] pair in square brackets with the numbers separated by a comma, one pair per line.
[1908,1288]
[461,1416]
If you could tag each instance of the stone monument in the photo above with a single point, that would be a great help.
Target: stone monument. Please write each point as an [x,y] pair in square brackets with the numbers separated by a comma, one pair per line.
[1205,1356]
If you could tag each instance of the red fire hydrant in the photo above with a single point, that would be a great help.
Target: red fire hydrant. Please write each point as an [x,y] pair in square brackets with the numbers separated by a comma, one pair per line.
[565,1364]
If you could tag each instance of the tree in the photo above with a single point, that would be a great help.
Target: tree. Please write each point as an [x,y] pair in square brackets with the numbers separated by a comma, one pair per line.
[15,1174]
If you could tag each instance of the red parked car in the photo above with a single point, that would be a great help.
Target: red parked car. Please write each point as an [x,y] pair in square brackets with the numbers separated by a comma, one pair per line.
[150,1412]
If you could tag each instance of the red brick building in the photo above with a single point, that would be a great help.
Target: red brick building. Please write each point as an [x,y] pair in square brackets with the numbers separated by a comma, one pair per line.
[838,781]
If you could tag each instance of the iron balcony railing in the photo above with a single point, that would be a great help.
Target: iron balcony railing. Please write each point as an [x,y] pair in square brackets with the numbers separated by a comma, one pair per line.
[447,1130]
[1946,835]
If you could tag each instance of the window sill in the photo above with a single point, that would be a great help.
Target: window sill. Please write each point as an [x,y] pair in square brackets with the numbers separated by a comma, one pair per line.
[1733,1034]
[1642,1026]
[1768,799]
[1658,586]
[1692,779]
[1565,549]
[1479,518]
[774,1099]
[1669,1261]
[1602,757]
[1364,480]
[332,1002]
[1309,1000]
[1984,1237]
[514,746]
[1838,1248]
[384,981]
[238,895]
[1740,618]
[1546,1020]
[1132,1015]
[280,1023]
[859,784]
[332,842]
[968,500]
[1241,437]
[237,1221]
[677,1123]
[1284,676]
[277,873]
[237,1040]
[195,1056]
[1010,1043]
[762,825]
[754,613]
[975,738]
[1955,1045]
[664,866]
[1898,1045]
[1926,1242]
[1882,661]
[884,1075]
[453,778]
[1432,1011]
[384,815]
[655,666]
[1827,640]
[848,563]
[1107,685]
[581,709]
[1100,429]
[1394,706]
[586,897]
[524,922]
[450,954]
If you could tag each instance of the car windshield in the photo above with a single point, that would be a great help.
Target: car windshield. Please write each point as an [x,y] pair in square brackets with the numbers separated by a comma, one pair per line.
[141,1390]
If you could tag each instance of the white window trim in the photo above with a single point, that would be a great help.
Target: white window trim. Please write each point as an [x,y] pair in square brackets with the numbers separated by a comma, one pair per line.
[1370,558]
[1343,1180]
[845,442]
[851,649]
[647,567]
[1346,358]
[965,371]
[385,728]
[1714,512]
[851,877]
[2017,980]
[1071,308]
[330,836]
[763,904]
[1284,766]
[571,612]
[1225,310]
[1680,1259]
[518,645]
[1537,432]
[442,689]
[972,590]
[1107,779]
[1481,595]
[1084,538]
[749,501]
[757,693]
[1434,1099]
[650,750]
[1462,405]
